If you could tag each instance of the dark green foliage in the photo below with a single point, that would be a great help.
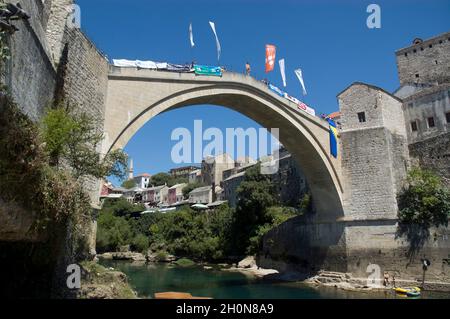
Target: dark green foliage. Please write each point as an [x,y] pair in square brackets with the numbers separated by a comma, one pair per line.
[423,203]
[190,187]
[166,179]
[140,243]
[121,207]
[113,232]
[255,196]
[117,227]
[129,184]
[74,138]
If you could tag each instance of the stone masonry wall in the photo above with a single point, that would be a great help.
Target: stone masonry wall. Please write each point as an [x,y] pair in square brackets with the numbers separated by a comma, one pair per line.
[374,153]
[85,80]
[433,154]
[425,62]
[29,73]
[55,28]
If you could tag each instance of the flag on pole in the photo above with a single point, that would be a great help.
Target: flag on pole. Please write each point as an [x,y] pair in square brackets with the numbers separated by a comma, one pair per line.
[271,53]
[283,71]
[299,74]
[191,36]
[219,49]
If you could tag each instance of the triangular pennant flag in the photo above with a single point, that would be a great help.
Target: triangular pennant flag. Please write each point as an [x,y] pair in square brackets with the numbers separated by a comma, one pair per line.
[191,36]
[299,74]
[219,49]
[283,71]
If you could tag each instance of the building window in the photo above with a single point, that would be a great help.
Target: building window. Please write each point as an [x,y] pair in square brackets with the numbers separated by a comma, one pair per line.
[447,116]
[414,127]
[431,123]
[362,117]
[431,46]
[417,75]
[406,54]
[414,50]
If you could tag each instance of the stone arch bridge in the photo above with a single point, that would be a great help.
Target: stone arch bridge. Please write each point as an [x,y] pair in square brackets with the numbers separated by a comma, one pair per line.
[135,96]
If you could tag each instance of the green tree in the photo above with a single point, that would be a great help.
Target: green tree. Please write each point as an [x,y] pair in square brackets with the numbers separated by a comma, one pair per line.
[129,184]
[424,202]
[140,243]
[74,138]
[121,207]
[167,179]
[255,196]
[161,179]
[190,187]
[112,232]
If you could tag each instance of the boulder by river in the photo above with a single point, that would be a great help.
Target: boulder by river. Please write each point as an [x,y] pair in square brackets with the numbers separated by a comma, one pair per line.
[131,256]
[248,266]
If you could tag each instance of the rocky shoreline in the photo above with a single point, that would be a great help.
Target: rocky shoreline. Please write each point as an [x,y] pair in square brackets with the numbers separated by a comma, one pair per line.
[249,267]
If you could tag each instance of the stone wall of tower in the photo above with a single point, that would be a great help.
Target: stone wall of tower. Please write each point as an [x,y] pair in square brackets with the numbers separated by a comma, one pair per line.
[374,152]
[426,62]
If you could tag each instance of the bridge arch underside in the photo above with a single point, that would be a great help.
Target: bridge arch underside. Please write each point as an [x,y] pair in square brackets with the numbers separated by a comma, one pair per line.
[305,140]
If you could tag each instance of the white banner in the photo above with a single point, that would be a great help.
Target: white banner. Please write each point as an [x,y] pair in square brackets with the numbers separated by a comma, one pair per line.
[283,71]
[299,74]
[191,36]
[124,63]
[219,49]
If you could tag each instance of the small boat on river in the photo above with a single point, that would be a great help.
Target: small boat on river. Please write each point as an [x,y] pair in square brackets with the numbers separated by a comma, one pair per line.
[409,292]
[177,296]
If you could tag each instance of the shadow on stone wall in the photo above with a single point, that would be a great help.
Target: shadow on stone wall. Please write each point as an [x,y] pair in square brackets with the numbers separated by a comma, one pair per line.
[416,236]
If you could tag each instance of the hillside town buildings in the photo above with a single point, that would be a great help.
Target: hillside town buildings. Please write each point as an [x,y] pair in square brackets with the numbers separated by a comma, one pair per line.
[220,177]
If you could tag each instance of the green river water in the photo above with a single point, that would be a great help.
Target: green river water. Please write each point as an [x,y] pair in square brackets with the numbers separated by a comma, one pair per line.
[148,279]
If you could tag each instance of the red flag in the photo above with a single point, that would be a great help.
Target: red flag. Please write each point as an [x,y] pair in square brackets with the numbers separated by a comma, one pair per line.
[271,53]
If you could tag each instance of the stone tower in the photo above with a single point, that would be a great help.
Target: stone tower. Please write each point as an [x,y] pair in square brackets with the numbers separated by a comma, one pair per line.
[425,62]
[374,151]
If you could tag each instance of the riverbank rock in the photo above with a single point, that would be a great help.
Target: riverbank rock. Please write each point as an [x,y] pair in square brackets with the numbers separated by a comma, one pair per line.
[105,256]
[249,262]
[101,283]
[160,257]
[128,256]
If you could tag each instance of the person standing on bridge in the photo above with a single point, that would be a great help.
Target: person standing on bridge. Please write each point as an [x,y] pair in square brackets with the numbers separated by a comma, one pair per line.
[248,69]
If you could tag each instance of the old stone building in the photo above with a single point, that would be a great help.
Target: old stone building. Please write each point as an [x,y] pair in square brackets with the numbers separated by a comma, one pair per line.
[289,181]
[424,72]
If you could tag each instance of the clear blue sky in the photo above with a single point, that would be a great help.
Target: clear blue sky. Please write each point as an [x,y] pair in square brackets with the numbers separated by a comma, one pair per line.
[329,40]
